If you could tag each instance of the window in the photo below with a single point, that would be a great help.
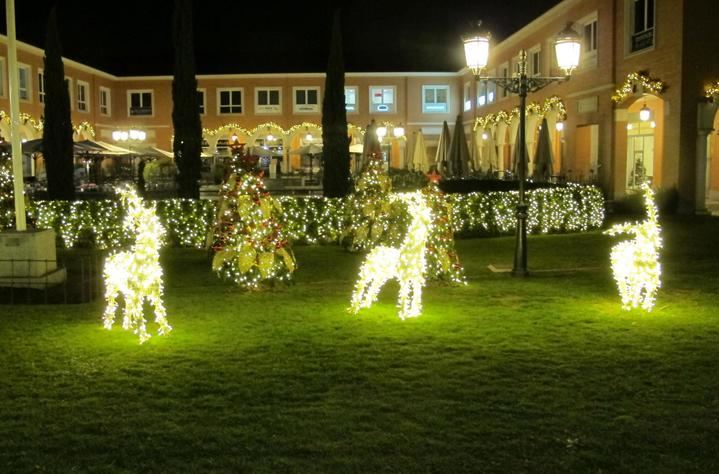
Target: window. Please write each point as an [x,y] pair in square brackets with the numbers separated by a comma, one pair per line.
[41,86]
[642,24]
[482,93]
[82,96]
[535,62]
[435,99]
[381,99]
[492,89]
[24,82]
[351,99]
[140,103]
[201,101]
[505,74]
[104,101]
[229,101]
[70,92]
[307,99]
[466,96]
[268,100]
[590,37]
[2,77]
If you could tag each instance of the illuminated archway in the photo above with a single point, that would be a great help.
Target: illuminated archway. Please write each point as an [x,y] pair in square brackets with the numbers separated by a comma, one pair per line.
[644,151]
[304,134]
[639,133]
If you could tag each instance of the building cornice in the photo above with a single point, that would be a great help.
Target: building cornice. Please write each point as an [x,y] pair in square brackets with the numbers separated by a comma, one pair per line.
[299,75]
[67,62]
[535,25]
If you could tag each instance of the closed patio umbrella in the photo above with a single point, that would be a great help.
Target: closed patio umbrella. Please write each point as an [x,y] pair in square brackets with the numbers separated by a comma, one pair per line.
[543,157]
[311,149]
[419,153]
[516,158]
[440,159]
[489,161]
[458,159]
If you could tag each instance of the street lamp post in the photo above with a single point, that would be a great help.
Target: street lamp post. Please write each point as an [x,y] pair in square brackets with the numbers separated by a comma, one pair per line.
[397,131]
[476,49]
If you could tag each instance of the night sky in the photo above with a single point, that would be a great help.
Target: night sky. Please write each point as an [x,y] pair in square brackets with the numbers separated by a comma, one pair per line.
[234,36]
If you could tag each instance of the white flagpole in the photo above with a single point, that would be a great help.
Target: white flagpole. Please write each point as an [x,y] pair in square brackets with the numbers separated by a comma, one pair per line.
[15,117]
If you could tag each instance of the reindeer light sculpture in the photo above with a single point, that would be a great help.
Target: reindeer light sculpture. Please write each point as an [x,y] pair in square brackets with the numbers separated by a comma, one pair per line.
[406,263]
[635,262]
[136,273]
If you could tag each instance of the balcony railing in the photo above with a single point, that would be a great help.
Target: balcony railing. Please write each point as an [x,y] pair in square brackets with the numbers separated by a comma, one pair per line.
[643,39]
[140,110]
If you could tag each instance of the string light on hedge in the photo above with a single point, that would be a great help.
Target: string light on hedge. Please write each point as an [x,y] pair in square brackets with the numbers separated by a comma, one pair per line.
[316,219]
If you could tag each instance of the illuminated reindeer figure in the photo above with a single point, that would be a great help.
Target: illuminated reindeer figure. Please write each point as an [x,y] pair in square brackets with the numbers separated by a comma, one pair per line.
[136,274]
[407,263]
[636,262]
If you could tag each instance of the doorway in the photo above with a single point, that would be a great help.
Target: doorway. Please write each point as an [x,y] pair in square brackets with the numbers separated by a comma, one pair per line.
[640,155]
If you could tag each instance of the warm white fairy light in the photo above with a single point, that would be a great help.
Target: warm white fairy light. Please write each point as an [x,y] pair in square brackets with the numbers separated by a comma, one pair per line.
[635,262]
[406,263]
[315,219]
[136,274]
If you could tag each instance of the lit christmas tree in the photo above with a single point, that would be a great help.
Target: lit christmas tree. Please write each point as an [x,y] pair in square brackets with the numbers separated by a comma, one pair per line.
[250,245]
[369,216]
[442,260]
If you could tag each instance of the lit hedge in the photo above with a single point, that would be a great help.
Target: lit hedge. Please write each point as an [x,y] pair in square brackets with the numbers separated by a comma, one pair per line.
[316,220]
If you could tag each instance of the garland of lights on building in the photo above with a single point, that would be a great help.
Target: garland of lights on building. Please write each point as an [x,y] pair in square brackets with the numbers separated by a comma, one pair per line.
[648,85]
[534,108]
[136,274]
[27,119]
[317,220]
[229,128]
[250,245]
[635,262]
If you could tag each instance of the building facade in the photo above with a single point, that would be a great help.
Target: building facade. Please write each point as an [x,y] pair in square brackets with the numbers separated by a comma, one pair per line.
[637,56]
[638,108]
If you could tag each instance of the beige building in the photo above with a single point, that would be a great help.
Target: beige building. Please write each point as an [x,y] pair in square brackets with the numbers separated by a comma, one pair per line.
[637,54]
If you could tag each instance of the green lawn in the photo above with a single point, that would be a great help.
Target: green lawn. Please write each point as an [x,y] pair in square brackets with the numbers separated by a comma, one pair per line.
[546,374]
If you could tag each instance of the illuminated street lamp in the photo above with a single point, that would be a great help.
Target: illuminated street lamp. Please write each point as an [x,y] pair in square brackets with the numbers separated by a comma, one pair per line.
[382,132]
[645,113]
[127,135]
[567,46]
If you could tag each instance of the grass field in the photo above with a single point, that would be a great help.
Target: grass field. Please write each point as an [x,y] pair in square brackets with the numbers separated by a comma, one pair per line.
[546,374]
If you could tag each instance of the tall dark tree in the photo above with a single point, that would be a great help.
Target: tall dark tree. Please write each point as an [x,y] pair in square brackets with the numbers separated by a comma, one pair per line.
[336,179]
[187,144]
[57,129]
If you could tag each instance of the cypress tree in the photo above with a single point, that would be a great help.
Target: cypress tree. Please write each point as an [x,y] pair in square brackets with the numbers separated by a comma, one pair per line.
[57,129]
[187,144]
[335,152]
